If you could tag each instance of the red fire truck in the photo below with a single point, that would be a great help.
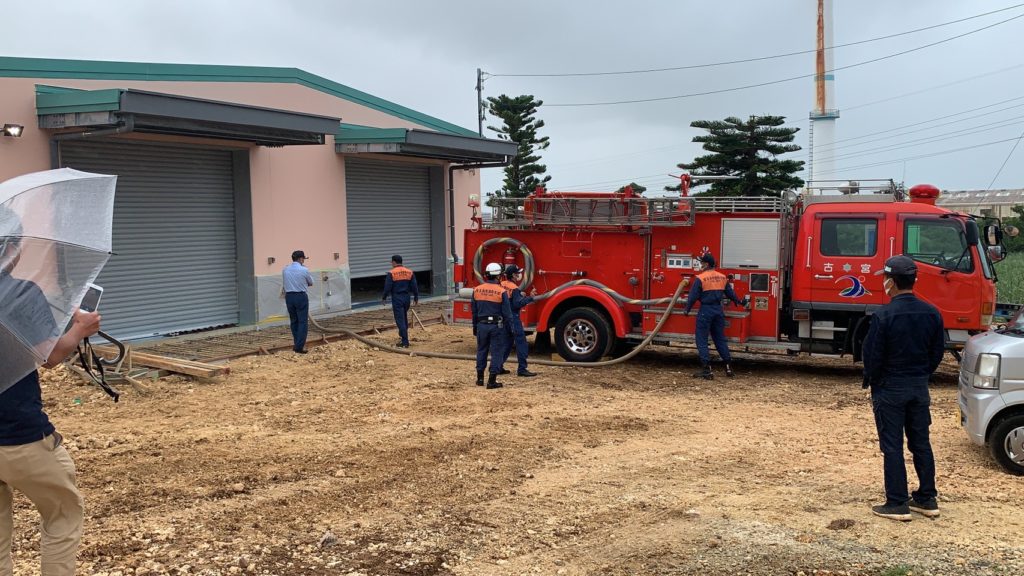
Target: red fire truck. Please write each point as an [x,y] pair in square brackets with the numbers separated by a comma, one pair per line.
[606,264]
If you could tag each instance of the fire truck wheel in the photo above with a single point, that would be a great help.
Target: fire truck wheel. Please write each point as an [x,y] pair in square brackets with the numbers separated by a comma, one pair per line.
[1007,444]
[582,335]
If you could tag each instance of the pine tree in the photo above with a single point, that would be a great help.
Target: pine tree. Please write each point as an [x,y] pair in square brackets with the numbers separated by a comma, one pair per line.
[637,189]
[520,125]
[748,150]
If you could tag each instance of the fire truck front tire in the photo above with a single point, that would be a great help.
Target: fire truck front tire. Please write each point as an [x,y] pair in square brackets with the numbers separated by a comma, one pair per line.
[582,335]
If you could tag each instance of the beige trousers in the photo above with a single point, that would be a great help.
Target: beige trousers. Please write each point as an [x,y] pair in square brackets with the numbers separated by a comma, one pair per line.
[44,472]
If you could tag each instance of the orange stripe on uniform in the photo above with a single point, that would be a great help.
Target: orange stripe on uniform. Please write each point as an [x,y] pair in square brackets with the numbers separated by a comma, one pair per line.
[488,293]
[509,286]
[401,273]
[712,280]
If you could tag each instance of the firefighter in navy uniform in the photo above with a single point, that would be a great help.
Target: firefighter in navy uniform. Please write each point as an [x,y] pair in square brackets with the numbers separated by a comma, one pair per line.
[400,284]
[491,313]
[710,287]
[516,336]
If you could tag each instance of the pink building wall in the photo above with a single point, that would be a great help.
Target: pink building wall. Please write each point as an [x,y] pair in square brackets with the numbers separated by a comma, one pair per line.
[298,192]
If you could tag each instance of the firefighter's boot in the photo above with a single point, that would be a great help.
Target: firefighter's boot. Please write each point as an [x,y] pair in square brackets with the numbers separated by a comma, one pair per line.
[728,371]
[479,377]
[705,373]
[492,382]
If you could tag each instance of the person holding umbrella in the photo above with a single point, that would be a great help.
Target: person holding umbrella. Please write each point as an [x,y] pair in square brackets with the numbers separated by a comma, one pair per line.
[32,459]
[69,214]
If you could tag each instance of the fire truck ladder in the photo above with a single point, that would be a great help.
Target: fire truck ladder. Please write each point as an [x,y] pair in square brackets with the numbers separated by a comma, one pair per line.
[558,210]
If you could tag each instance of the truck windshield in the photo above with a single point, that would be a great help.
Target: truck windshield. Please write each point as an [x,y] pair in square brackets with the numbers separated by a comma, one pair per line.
[938,242]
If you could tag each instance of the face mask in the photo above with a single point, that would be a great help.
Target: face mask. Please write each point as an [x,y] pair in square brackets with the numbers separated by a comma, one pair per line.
[888,285]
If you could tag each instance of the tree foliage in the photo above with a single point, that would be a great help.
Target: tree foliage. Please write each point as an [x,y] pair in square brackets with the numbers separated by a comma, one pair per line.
[1015,244]
[637,189]
[520,125]
[750,151]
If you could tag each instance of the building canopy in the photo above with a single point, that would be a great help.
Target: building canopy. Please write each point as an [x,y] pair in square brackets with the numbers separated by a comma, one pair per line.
[354,139]
[128,110]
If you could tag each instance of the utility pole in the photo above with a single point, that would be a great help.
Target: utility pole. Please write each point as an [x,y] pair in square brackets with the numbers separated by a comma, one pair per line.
[480,101]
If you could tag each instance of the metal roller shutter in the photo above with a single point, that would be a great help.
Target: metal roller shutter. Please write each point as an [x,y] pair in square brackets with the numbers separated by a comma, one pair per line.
[174,263]
[388,213]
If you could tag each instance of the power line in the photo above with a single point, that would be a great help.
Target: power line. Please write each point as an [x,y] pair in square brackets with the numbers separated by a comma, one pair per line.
[746,60]
[1000,171]
[930,139]
[783,80]
[801,117]
[910,158]
[929,121]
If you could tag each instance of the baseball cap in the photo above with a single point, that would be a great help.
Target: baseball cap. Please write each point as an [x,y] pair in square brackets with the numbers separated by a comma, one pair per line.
[511,269]
[298,254]
[397,259]
[899,266]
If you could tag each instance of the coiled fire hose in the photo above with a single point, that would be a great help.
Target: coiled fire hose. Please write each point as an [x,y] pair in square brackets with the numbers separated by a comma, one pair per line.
[672,301]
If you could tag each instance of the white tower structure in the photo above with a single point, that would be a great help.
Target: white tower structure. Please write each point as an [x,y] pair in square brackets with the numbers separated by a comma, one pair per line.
[822,133]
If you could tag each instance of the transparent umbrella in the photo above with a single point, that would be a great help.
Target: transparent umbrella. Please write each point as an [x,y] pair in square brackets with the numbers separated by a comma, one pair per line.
[55,237]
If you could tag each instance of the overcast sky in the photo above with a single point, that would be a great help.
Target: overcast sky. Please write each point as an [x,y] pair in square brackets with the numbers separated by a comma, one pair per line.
[424,55]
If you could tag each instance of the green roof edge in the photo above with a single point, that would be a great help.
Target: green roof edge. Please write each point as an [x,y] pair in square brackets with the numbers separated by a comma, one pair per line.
[14,67]
[78,101]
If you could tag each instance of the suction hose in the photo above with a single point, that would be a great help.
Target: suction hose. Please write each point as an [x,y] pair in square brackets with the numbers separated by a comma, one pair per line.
[672,301]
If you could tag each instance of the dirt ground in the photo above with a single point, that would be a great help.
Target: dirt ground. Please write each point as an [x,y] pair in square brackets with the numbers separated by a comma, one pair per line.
[352,461]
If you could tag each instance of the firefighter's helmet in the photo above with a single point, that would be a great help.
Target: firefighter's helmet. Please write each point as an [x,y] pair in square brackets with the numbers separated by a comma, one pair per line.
[493,270]
[511,270]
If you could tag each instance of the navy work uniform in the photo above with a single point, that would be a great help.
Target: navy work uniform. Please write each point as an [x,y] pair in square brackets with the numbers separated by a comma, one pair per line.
[904,345]
[400,284]
[516,336]
[491,312]
[710,287]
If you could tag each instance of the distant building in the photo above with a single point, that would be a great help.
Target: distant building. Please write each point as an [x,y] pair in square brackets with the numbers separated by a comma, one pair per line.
[997,203]
[224,170]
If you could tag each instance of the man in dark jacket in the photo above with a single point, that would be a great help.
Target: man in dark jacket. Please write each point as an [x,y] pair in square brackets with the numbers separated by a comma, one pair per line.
[400,285]
[491,313]
[710,288]
[516,336]
[904,345]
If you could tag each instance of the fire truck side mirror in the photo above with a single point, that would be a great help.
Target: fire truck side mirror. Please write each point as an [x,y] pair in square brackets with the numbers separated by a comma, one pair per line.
[993,235]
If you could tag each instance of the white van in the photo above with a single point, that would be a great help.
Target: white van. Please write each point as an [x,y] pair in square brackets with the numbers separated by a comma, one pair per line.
[992,392]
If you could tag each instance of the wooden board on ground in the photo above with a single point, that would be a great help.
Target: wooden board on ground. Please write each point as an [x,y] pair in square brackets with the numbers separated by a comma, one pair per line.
[188,367]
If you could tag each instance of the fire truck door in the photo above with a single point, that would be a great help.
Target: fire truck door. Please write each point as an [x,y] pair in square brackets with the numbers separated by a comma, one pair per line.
[843,256]
[750,252]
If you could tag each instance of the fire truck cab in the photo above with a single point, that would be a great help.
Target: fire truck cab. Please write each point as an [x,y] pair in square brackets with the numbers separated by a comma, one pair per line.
[606,265]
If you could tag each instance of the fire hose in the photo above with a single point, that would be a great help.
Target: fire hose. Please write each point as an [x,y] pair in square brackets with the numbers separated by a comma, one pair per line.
[672,301]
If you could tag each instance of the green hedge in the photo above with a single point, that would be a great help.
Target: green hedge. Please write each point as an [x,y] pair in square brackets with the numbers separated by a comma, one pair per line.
[1011,279]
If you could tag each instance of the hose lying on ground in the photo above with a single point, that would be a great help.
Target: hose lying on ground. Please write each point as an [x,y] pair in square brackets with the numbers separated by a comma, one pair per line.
[447,356]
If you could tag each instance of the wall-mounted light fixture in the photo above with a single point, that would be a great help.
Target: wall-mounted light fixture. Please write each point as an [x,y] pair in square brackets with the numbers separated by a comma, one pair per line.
[13,130]
[271,260]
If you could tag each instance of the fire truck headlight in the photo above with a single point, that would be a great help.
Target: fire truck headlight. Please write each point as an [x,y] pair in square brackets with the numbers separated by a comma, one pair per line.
[986,374]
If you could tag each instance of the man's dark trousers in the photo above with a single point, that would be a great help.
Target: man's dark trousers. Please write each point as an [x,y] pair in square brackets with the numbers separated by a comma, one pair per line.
[298,312]
[400,307]
[711,319]
[898,406]
[515,338]
[490,338]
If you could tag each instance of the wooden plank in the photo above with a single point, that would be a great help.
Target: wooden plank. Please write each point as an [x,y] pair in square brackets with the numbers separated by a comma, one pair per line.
[188,367]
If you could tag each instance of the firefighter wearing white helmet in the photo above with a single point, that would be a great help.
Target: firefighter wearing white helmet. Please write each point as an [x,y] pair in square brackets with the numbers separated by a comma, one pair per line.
[491,313]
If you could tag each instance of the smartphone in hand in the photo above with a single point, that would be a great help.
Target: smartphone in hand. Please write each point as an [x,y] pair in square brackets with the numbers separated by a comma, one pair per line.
[91,300]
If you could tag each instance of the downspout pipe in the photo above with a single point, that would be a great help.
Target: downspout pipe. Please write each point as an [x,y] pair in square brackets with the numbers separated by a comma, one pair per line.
[451,196]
